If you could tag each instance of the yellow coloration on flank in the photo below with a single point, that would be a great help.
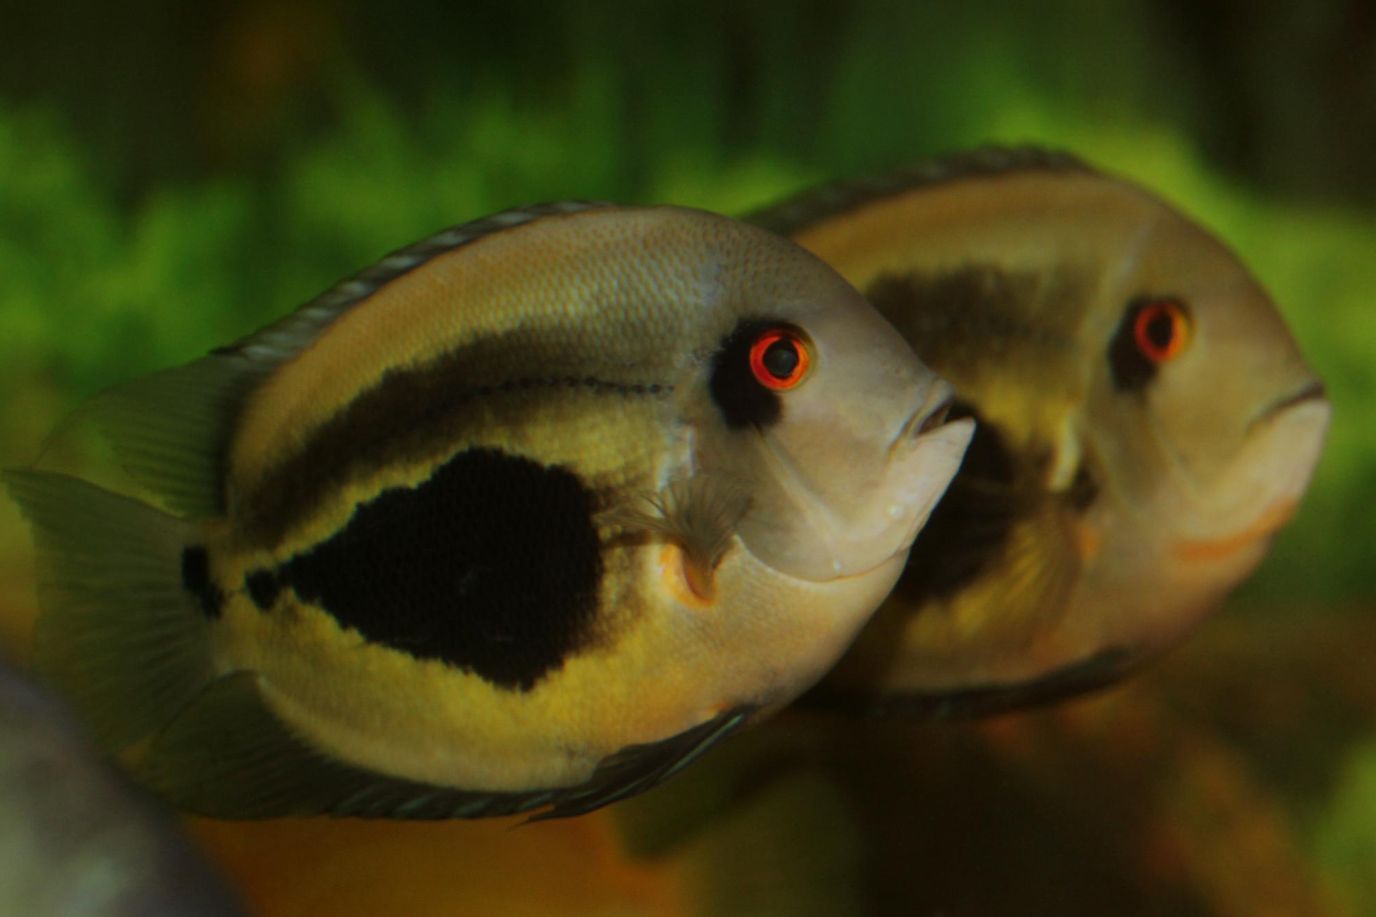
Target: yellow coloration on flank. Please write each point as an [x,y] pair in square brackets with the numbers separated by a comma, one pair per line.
[417,565]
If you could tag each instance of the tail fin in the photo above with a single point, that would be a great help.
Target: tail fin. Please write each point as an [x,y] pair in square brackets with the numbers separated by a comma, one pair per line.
[119,634]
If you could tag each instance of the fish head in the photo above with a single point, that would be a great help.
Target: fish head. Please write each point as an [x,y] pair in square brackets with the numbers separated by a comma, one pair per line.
[826,418]
[1204,418]
[1146,421]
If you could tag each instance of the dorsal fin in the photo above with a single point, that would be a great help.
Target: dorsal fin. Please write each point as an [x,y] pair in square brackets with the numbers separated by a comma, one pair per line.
[170,430]
[283,338]
[819,203]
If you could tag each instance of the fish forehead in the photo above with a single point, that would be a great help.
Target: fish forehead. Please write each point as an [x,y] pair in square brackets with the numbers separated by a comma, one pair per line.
[1023,223]
[629,291]
[1007,283]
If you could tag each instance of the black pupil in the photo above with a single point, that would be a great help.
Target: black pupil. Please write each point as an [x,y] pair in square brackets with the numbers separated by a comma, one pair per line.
[781,358]
[1160,330]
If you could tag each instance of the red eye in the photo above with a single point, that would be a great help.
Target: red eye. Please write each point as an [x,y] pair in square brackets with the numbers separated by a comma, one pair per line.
[1161,330]
[779,359]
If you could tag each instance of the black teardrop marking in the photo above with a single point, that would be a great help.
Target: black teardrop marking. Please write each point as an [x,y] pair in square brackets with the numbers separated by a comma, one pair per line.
[1131,369]
[740,397]
[196,580]
[970,526]
[492,565]
[263,588]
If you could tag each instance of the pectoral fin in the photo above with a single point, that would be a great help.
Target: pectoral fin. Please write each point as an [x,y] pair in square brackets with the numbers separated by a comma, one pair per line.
[699,514]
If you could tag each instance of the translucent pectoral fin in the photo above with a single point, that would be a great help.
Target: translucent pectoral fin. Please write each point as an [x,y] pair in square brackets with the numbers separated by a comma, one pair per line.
[170,430]
[698,513]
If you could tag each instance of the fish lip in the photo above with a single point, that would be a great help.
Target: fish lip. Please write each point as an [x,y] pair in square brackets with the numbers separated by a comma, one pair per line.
[1274,517]
[1313,390]
[931,414]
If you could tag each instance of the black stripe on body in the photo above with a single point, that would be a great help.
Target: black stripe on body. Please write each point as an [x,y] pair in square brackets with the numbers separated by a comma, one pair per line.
[492,565]
[968,319]
[405,416]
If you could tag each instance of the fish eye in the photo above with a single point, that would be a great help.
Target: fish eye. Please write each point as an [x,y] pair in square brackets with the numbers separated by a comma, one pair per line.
[1161,330]
[1154,330]
[779,358]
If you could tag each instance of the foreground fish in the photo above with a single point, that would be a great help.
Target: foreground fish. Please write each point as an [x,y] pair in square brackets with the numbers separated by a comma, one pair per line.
[525,516]
[75,838]
[1146,422]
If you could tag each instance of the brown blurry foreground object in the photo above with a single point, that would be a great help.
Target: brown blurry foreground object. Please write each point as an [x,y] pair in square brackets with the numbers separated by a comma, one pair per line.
[76,838]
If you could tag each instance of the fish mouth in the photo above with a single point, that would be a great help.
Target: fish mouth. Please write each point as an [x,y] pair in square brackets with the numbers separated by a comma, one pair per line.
[1313,390]
[1281,449]
[933,413]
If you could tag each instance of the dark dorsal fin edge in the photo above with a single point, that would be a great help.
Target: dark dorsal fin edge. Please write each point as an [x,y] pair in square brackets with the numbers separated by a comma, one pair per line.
[832,199]
[280,340]
[170,430]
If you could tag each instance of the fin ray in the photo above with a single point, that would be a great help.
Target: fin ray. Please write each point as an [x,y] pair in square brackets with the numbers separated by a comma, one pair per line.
[228,756]
[171,429]
[699,513]
[118,632]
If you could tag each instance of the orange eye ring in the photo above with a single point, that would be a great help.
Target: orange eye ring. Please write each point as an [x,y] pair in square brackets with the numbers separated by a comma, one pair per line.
[1161,330]
[780,359]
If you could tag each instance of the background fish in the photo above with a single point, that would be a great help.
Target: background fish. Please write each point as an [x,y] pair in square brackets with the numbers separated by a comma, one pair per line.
[76,838]
[527,515]
[1146,422]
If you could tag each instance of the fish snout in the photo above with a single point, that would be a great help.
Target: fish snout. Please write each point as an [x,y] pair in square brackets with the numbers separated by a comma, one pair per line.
[1310,392]
[933,412]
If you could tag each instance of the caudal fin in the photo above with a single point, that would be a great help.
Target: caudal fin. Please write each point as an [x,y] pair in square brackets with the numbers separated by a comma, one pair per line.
[118,632]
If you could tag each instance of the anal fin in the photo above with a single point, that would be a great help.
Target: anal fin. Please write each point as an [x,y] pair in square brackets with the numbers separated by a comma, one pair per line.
[228,756]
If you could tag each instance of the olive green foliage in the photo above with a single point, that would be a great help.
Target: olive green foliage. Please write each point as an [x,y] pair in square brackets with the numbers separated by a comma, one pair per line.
[724,110]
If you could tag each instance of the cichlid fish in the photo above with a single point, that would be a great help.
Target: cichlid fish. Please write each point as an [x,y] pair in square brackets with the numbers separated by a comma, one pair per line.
[524,517]
[1146,423]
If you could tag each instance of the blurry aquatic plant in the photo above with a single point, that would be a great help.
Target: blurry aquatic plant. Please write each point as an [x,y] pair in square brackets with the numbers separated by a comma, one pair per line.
[97,291]
[1345,840]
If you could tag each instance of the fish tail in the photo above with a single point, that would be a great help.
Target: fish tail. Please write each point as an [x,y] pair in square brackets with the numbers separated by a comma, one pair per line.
[120,633]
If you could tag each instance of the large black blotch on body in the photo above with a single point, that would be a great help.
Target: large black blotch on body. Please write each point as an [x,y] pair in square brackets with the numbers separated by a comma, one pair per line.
[740,397]
[491,565]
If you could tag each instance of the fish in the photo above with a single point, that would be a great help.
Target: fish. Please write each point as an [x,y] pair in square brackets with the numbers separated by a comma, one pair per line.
[522,519]
[79,839]
[1145,424]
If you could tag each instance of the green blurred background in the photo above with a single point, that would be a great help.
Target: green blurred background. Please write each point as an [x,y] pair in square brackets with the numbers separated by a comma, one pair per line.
[173,175]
